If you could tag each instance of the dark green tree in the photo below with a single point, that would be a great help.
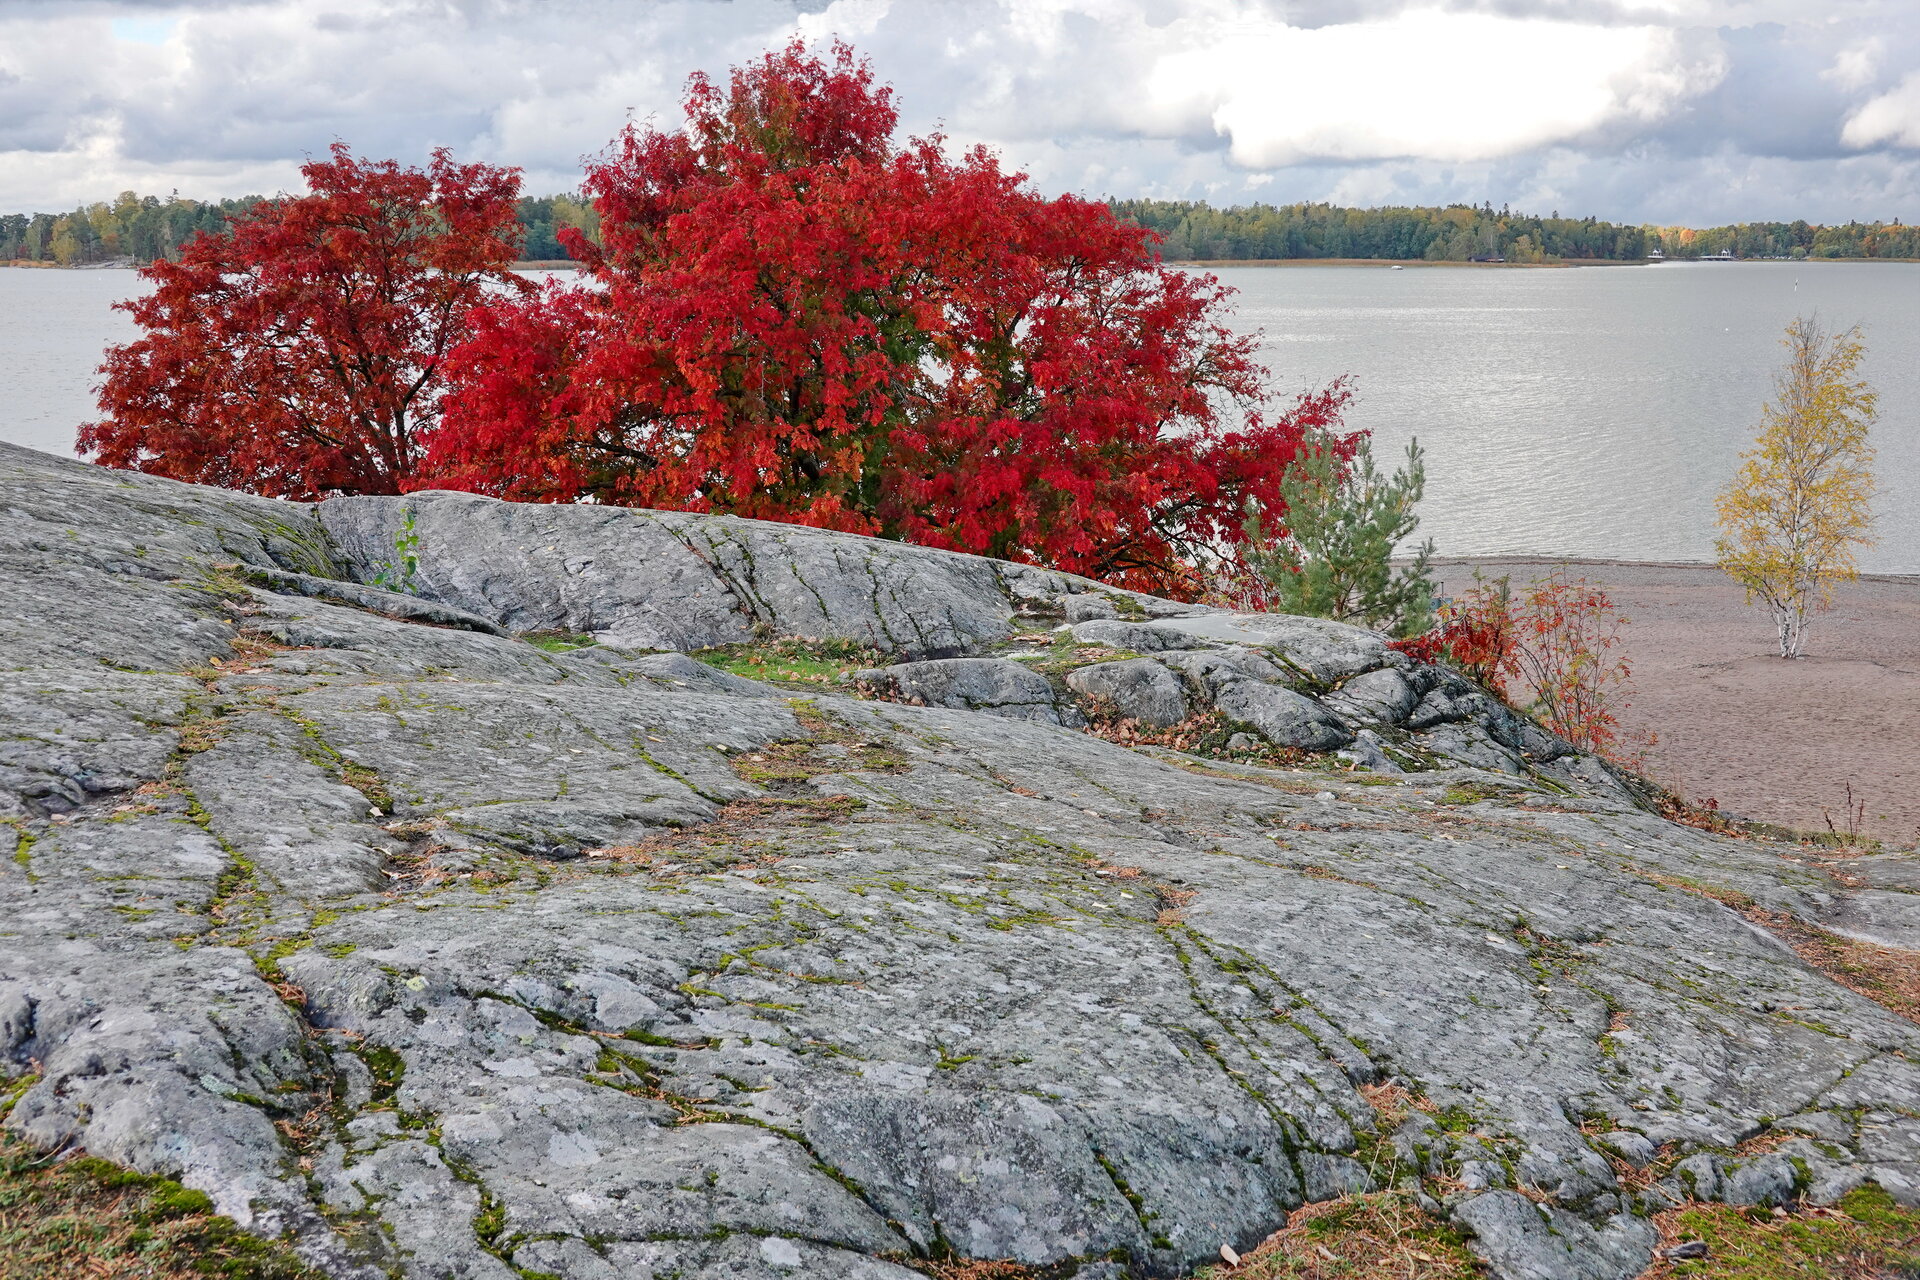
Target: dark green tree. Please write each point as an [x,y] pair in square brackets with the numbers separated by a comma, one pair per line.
[1333,558]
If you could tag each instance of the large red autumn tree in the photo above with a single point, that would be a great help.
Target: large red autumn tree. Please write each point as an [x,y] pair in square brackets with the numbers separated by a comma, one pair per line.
[302,351]
[792,316]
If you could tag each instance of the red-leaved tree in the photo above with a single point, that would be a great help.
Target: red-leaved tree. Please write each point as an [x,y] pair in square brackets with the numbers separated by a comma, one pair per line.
[1550,650]
[302,351]
[792,316]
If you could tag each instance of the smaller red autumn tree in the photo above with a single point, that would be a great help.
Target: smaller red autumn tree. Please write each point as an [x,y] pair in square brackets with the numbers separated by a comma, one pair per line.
[1551,650]
[302,351]
[793,316]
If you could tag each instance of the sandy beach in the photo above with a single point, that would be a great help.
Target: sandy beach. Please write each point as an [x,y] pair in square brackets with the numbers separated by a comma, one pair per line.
[1769,739]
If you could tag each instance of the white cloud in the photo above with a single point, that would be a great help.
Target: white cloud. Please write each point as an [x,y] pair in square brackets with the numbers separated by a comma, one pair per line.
[1856,66]
[1428,84]
[1618,108]
[1891,119]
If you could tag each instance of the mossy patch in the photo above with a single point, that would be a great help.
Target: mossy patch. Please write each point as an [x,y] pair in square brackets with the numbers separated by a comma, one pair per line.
[1464,793]
[792,762]
[1724,896]
[795,662]
[86,1217]
[736,838]
[559,641]
[226,581]
[368,784]
[1864,1235]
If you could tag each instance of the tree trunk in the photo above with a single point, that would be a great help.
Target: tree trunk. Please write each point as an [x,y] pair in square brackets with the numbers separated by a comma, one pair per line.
[1792,621]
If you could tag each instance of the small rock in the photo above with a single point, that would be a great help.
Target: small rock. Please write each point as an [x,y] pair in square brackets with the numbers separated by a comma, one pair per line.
[1088,608]
[1770,1179]
[1113,634]
[1686,1250]
[1367,753]
[991,685]
[1385,695]
[1281,716]
[1137,689]
[1634,1148]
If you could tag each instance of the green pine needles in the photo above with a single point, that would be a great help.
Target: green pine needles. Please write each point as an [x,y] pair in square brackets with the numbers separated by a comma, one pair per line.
[1333,556]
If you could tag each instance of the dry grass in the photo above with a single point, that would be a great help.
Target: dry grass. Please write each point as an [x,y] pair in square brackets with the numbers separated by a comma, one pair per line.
[87,1218]
[1172,904]
[736,820]
[251,648]
[1202,735]
[971,1269]
[1762,1143]
[1315,871]
[1378,1236]
[1391,1102]
[1884,975]
[1674,807]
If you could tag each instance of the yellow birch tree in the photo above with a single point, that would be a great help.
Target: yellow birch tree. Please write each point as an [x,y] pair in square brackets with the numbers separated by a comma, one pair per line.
[1802,500]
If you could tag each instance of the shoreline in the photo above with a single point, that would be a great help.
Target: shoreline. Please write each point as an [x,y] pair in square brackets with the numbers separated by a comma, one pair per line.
[1894,579]
[568,264]
[1413,262]
[1792,743]
[1522,266]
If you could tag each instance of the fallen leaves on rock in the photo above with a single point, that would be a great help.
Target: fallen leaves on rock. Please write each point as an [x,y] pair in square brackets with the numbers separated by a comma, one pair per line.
[1378,1236]
[1881,974]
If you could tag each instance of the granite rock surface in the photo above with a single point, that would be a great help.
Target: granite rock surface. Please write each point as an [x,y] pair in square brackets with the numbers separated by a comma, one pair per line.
[445,954]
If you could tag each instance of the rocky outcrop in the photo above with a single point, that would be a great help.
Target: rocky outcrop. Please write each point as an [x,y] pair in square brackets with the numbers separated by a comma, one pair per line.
[447,954]
[668,580]
[644,580]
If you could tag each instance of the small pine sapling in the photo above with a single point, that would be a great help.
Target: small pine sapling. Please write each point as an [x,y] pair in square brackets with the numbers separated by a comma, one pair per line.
[1333,555]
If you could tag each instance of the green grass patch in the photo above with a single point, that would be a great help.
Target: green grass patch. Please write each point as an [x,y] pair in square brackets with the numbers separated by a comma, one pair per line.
[797,662]
[1461,793]
[86,1217]
[1865,1235]
[559,641]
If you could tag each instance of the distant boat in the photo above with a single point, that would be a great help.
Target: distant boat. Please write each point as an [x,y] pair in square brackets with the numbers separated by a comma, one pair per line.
[1396,267]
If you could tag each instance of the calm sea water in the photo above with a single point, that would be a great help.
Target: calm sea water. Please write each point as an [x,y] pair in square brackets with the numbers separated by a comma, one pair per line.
[1590,413]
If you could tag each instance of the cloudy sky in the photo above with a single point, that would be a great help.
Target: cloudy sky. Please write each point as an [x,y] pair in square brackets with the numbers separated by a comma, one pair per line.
[1665,111]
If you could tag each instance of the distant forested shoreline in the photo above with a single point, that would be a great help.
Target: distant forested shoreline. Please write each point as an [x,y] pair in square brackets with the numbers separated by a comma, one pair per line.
[1194,231]
[143,228]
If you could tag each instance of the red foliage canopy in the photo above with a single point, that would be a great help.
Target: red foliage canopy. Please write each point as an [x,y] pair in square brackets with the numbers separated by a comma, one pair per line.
[302,351]
[792,317]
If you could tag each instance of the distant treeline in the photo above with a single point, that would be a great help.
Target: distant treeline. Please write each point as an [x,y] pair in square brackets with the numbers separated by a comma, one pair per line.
[143,228]
[146,227]
[1794,240]
[139,227]
[1463,233]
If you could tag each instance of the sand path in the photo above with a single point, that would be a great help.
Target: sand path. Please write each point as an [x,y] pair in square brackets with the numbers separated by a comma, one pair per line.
[1770,739]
